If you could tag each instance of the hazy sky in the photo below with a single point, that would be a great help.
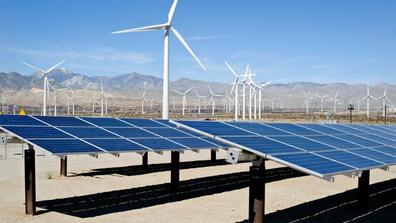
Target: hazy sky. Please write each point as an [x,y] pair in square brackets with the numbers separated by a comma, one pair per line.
[283,40]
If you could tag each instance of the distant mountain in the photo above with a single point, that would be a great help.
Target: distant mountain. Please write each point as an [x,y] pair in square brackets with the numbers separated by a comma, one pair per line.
[131,84]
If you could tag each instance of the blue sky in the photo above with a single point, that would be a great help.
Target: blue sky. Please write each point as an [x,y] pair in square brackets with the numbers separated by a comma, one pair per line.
[284,40]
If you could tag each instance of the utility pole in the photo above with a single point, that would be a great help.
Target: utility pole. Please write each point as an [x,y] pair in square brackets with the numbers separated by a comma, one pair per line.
[351,108]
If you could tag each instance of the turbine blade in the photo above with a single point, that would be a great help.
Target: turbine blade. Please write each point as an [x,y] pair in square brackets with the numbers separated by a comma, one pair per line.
[178,92]
[172,11]
[230,68]
[189,90]
[56,65]
[142,29]
[211,92]
[180,38]
[29,65]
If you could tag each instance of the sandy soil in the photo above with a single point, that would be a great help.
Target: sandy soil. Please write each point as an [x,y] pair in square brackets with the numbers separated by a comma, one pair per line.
[227,206]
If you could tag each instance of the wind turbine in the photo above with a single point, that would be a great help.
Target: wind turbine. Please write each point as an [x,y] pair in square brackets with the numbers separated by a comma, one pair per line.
[143,98]
[384,100]
[184,98]
[367,98]
[306,102]
[212,99]
[45,76]
[199,101]
[55,91]
[167,27]
[235,84]
[260,87]
[335,102]
[322,98]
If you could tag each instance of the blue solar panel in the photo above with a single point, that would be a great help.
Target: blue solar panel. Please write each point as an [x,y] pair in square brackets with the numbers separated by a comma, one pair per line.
[116,145]
[216,128]
[330,140]
[315,163]
[351,159]
[376,155]
[346,129]
[20,120]
[159,144]
[66,146]
[42,132]
[259,128]
[366,129]
[195,143]
[132,132]
[263,145]
[88,132]
[167,132]
[302,143]
[295,129]
[379,139]
[106,122]
[322,129]
[359,140]
[386,149]
[143,122]
[62,121]
[382,128]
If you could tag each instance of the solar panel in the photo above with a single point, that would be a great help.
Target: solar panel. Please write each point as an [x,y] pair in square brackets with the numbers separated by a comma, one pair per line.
[105,122]
[66,146]
[63,121]
[88,132]
[6,120]
[317,149]
[117,145]
[38,132]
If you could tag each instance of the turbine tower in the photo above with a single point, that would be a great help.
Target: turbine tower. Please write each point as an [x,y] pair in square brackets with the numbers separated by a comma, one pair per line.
[367,98]
[184,98]
[44,74]
[167,27]
[322,98]
[384,100]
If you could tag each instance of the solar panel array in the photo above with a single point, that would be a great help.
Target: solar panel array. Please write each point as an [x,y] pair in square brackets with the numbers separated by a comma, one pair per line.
[83,135]
[317,149]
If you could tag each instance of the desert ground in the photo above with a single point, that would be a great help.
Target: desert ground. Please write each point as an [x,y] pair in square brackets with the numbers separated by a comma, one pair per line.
[113,189]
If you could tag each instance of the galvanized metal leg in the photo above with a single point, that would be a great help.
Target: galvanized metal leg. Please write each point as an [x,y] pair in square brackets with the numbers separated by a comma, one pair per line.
[145,161]
[175,171]
[63,166]
[257,192]
[363,189]
[213,155]
[30,181]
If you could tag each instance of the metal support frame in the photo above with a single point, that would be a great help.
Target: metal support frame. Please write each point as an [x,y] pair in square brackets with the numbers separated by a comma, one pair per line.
[30,181]
[63,166]
[257,192]
[363,189]
[145,161]
[213,156]
[175,171]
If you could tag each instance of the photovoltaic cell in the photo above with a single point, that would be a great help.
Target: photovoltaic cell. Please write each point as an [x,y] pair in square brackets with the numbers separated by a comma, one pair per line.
[132,132]
[106,122]
[359,140]
[330,140]
[159,144]
[303,143]
[88,132]
[62,121]
[216,128]
[194,143]
[41,132]
[167,132]
[376,155]
[66,146]
[322,129]
[19,120]
[351,159]
[259,129]
[116,145]
[295,129]
[315,163]
[143,122]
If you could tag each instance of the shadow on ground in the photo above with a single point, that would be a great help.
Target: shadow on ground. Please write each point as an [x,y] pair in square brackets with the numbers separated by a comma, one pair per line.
[135,198]
[152,168]
[343,207]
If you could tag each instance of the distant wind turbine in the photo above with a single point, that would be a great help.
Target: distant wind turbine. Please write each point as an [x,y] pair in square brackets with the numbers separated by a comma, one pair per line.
[45,76]
[384,100]
[167,27]
[184,98]
[322,98]
[212,100]
[367,98]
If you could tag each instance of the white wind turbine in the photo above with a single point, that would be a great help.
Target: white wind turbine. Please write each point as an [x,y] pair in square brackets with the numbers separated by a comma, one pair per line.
[55,91]
[367,98]
[260,88]
[212,100]
[306,102]
[335,102]
[322,98]
[167,27]
[143,98]
[199,101]
[184,98]
[234,88]
[384,100]
[45,76]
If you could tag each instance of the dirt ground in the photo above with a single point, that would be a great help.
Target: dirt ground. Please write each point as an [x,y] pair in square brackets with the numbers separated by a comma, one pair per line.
[108,189]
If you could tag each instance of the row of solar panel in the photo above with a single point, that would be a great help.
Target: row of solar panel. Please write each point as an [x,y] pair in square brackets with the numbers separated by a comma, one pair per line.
[317,149]
[71,135]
